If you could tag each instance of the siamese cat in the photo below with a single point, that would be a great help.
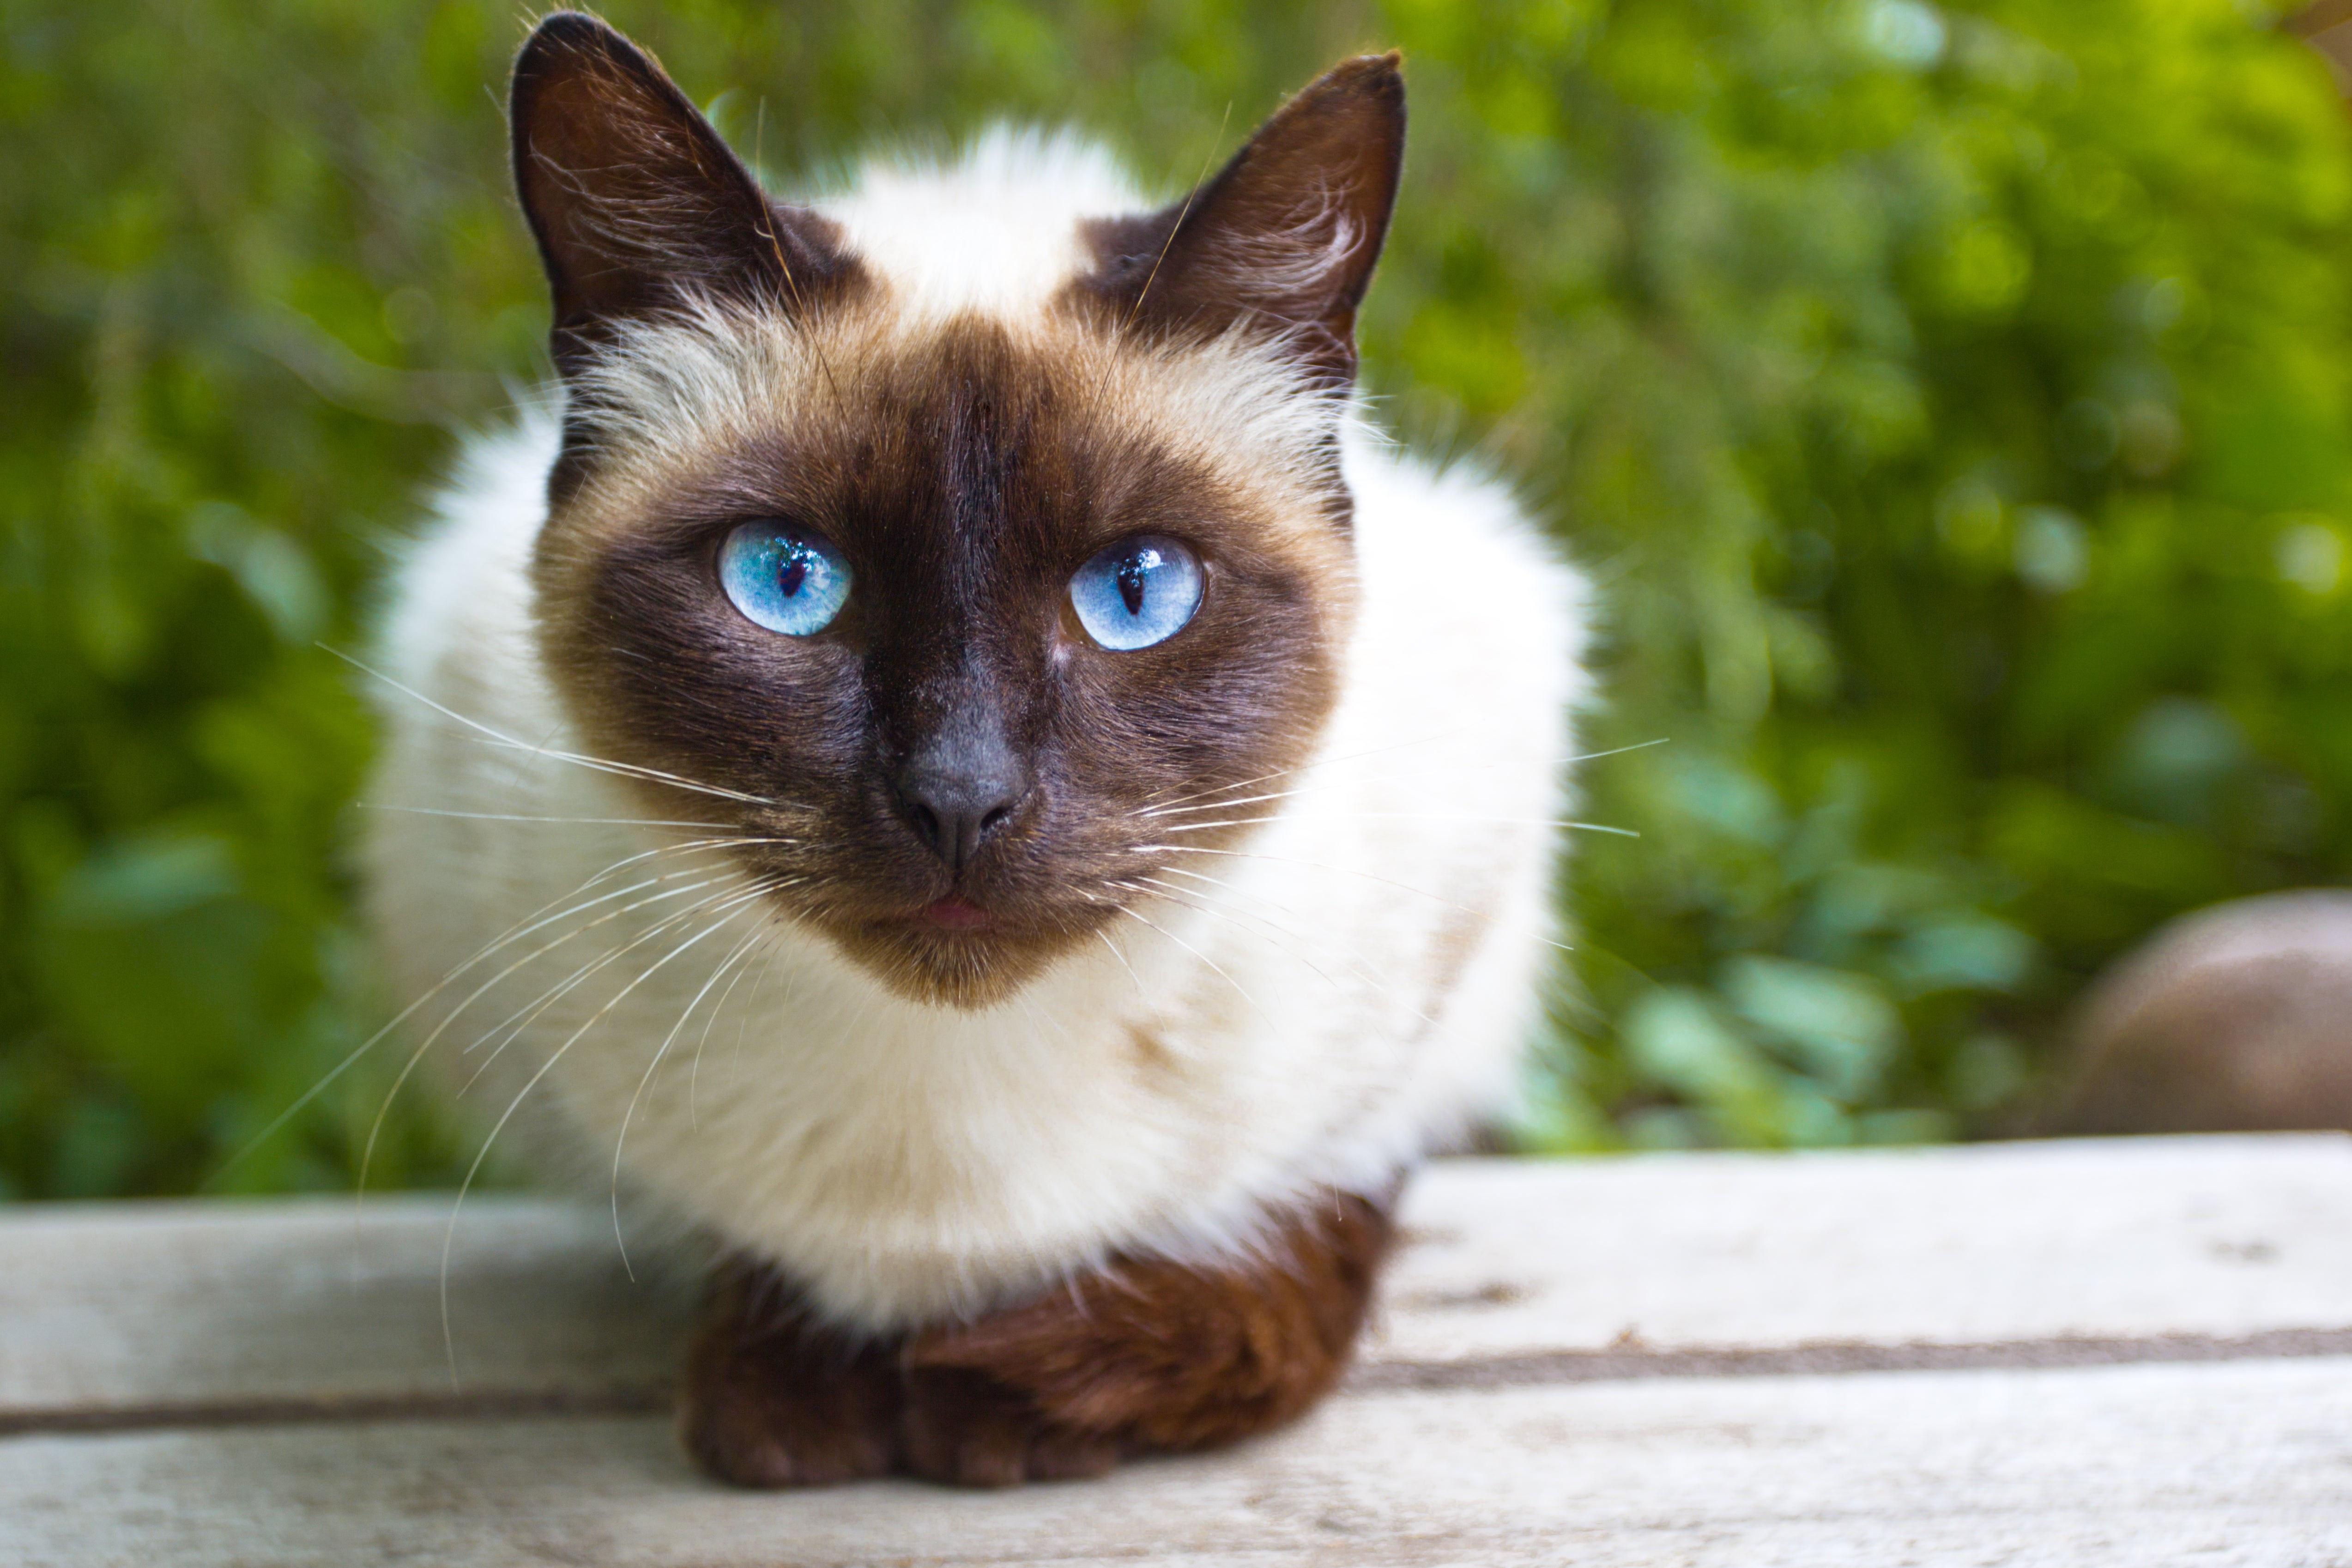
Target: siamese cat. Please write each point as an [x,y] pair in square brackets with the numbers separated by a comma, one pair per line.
[955,769]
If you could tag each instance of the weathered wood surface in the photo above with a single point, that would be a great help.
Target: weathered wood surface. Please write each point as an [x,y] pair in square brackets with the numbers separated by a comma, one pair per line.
[2136,1351]
[2239,1463]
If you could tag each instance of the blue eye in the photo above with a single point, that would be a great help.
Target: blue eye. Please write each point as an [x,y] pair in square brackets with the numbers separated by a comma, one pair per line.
[783,578]
[1139,591]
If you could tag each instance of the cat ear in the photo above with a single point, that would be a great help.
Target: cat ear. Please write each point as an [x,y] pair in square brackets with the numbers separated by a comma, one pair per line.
[1284,237]
[634,198]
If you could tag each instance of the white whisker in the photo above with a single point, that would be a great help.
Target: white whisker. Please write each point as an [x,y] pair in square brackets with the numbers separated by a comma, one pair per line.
[1142,995]
[757,890]
[1447,769]
[1354,960]
[751,1011]
[513,1025]
[516,816]
[599,764]
[1342,870]
[1302,767]
[520,929]
[1182,898]
[694,1077]
[424,1047]
[1310,865]
[1203,957]
[1412,816]
[449,1237]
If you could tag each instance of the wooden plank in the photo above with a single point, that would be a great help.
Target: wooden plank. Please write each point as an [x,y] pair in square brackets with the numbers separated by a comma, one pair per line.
[1992,1243]
[2241,1463]
[2024,1254]
[155,1310]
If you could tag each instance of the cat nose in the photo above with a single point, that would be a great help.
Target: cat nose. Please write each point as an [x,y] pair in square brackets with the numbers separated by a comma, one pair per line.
[958,788]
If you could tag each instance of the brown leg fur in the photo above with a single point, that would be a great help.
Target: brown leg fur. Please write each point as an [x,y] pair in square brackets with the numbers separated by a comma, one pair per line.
[774,1400]
[1144,1355]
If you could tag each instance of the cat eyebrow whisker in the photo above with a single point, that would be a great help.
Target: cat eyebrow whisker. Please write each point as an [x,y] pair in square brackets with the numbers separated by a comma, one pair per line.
[1135,308]
[766,229]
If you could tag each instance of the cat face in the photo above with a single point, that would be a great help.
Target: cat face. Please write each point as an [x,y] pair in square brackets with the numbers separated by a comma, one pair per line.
[935,598]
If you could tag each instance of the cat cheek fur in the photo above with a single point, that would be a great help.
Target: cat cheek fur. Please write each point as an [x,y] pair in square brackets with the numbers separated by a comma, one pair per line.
[1268,901]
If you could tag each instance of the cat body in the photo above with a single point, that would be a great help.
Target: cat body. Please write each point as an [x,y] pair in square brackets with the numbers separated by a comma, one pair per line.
[942,963]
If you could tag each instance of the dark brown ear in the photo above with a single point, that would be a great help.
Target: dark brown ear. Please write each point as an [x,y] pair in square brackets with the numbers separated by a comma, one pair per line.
[1284,237]
[634,198]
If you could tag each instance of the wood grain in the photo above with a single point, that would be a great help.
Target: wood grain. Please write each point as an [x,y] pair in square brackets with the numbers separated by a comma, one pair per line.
[1515,1270]
[2125,1352]
[2243,1464]
[2116,1238]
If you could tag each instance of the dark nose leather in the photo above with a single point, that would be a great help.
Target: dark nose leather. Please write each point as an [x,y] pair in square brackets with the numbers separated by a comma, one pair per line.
[959,785]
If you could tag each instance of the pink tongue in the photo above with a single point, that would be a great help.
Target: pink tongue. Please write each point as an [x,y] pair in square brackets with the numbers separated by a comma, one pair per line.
[956,914]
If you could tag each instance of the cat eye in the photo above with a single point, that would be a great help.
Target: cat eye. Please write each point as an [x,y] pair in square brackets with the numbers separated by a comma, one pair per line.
[785,578]
[1139,591]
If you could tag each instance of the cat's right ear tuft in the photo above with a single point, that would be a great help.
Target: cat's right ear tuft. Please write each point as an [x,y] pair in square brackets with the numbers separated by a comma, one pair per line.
[1284,240]
[634,200]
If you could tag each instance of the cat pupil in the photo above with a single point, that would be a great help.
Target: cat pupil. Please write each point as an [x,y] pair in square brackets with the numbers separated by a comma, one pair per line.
[1130,578]
[791,578]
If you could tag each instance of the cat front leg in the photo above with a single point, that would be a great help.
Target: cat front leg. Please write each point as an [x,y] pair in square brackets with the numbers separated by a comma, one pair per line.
[1145,1355]
[773,1398]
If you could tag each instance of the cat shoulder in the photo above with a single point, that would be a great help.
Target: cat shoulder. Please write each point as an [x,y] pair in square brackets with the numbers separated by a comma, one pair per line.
[464,578]
[1461,583]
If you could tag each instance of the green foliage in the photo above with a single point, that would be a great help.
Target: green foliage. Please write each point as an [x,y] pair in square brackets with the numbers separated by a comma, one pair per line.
[1951,401]
[1959,412]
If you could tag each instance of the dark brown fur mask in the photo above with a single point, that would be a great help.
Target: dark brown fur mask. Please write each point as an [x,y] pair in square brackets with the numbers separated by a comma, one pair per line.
[950,773]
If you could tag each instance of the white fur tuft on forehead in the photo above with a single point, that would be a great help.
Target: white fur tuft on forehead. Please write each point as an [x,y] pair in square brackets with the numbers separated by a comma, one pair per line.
[994,230]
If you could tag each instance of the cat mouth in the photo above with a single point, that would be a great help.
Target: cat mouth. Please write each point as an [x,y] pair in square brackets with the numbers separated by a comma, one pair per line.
[953,913]
[952,952]
[949,923]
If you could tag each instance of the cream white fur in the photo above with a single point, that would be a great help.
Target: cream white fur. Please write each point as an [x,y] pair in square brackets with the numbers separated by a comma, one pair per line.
[995,230]
[1354,984]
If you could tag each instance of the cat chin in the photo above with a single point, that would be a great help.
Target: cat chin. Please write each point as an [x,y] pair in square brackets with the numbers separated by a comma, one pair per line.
[969,971]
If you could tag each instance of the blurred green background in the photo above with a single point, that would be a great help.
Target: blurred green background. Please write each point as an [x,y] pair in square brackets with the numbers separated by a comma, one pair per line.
[1952,401]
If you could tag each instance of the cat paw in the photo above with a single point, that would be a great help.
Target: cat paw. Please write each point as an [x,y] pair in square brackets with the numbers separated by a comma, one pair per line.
[1145,1355]
[963,1429]
[772,1400]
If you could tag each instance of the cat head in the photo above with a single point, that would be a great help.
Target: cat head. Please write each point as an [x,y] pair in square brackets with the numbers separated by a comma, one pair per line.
[942,534]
